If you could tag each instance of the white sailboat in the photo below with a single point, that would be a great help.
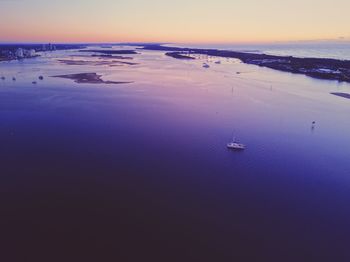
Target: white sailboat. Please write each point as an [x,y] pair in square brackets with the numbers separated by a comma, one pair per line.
[235,145]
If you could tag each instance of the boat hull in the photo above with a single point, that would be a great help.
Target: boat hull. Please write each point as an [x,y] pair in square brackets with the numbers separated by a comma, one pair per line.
[235,146]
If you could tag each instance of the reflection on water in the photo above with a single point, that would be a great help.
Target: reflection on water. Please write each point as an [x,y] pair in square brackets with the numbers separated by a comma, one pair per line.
[104,170]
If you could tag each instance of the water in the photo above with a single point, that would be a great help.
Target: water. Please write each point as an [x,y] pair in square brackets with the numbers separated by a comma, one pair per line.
[337,50]
[94,172]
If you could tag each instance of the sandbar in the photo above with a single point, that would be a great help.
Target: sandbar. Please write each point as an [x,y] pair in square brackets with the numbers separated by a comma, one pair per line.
[89,78]
[344,95]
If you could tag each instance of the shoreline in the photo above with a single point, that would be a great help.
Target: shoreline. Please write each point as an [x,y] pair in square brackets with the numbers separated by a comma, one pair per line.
[320,68]
[3,59]
[8,51]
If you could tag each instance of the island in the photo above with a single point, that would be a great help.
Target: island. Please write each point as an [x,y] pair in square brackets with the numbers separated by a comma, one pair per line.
[95,63]
[89,78]
[344,95]
[111,52]
[321,68]
[178,55]
[113,57]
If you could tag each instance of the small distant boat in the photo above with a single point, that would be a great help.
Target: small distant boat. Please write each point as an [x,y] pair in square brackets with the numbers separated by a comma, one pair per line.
[34,82]
[313,125]
[235,145]
[205,65]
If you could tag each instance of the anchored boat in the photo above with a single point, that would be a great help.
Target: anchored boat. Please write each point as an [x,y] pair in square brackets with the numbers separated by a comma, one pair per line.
[235,145]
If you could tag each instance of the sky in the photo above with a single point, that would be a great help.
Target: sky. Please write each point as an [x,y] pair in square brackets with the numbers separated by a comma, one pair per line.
[177,21]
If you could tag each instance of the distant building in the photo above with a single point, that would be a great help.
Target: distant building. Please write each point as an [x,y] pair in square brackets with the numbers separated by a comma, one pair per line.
[32,52]
[48,47]
[29,53]
[19,53]
[6,53]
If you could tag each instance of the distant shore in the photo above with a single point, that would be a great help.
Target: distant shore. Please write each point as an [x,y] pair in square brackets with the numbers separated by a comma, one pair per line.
[12,52]
[320,68]
[4,59]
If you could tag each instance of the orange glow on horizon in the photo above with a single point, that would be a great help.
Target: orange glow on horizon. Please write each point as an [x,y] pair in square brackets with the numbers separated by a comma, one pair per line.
[224,21]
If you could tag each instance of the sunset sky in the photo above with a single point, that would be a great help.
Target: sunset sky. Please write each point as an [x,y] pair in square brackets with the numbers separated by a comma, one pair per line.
[221,21]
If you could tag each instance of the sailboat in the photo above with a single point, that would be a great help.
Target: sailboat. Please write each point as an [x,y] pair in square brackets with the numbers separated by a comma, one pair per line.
[205,65]
[235,145]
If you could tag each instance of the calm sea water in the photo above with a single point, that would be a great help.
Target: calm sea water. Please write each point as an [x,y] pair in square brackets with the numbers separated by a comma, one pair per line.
[340,50]
[141,171]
